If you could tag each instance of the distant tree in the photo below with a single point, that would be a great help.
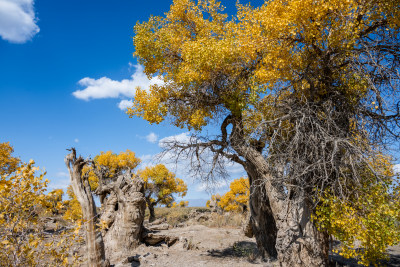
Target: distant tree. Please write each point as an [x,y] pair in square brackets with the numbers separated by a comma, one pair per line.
[183,204]
[73,208]
[54,201]
[237,198]
[161,187]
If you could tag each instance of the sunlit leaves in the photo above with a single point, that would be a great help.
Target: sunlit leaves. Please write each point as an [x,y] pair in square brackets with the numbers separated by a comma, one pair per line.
[23,203]
[161,185]
[237,196]
[369,218]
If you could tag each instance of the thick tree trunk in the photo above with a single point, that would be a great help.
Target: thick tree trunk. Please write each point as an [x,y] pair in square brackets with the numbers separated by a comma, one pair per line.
[262,221]
[299,243]
[80,185]
[123,215]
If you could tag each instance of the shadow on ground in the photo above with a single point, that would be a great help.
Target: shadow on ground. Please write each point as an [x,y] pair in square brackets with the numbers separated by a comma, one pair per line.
[240,249]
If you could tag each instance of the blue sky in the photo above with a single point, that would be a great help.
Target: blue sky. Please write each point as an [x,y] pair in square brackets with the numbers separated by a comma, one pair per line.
[66,70]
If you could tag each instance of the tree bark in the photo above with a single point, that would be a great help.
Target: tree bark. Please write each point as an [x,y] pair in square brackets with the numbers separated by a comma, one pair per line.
[123,215]
[81,187]
[152,216]
[262,221]
[298,242]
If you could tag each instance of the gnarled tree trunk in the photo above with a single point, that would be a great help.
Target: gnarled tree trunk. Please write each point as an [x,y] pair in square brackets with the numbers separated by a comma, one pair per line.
[81,187]
[123,214]
[262,222]
[298,242]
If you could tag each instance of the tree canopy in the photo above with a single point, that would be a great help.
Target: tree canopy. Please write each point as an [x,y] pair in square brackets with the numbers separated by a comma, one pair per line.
[305,93]
[161,186]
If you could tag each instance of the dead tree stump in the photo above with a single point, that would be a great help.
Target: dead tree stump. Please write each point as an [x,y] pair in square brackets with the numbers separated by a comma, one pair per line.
[81,187]
[123,212]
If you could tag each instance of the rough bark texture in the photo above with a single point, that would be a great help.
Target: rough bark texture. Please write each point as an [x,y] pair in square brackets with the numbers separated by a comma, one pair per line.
[81,187]
[123,213]
[262,221]
[298,243]
[152,215]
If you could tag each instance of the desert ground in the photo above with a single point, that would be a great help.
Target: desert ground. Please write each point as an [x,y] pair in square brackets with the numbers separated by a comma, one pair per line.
[209,239]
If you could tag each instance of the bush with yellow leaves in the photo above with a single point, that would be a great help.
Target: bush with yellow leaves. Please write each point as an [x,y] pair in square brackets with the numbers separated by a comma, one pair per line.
[370,217]
[23,241]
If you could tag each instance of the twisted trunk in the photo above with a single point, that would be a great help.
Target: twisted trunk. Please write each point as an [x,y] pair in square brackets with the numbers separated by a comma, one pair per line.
[262,222]
[298,242]
[123,215]
[81,187]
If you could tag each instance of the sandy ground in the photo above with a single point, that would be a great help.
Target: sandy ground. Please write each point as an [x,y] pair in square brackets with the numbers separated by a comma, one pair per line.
[207,247]
[214,247]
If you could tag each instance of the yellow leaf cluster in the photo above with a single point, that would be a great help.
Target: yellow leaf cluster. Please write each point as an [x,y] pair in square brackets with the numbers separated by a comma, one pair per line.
[22,202]
[211,64]
[8,163]
[161,185]
[237,196]
[369,218]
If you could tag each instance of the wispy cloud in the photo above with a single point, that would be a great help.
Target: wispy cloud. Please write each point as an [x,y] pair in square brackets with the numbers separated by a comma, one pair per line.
[211,186]
[124,104]
[107,88]
[76,140]
[17,20]
[397,168]
[62,174]
[152,138]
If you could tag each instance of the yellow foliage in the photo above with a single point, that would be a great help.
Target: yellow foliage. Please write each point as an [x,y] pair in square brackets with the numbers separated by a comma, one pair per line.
[370,217]
[73,208]
[22,238]
[161,185]
[183,204]
[54,200]
[8,163]
[237,197]
[195,44]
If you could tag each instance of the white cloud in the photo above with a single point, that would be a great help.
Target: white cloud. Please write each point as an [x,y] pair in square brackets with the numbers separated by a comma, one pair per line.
[59,184]
[124,104]
[62,174]
[397,168]
[76,140]
[152,138]
[181,138]
[107,88]
[17,20]
[211,186]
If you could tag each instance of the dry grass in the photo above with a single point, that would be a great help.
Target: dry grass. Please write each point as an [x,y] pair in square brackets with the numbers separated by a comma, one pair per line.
[175,216]
[224,220]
